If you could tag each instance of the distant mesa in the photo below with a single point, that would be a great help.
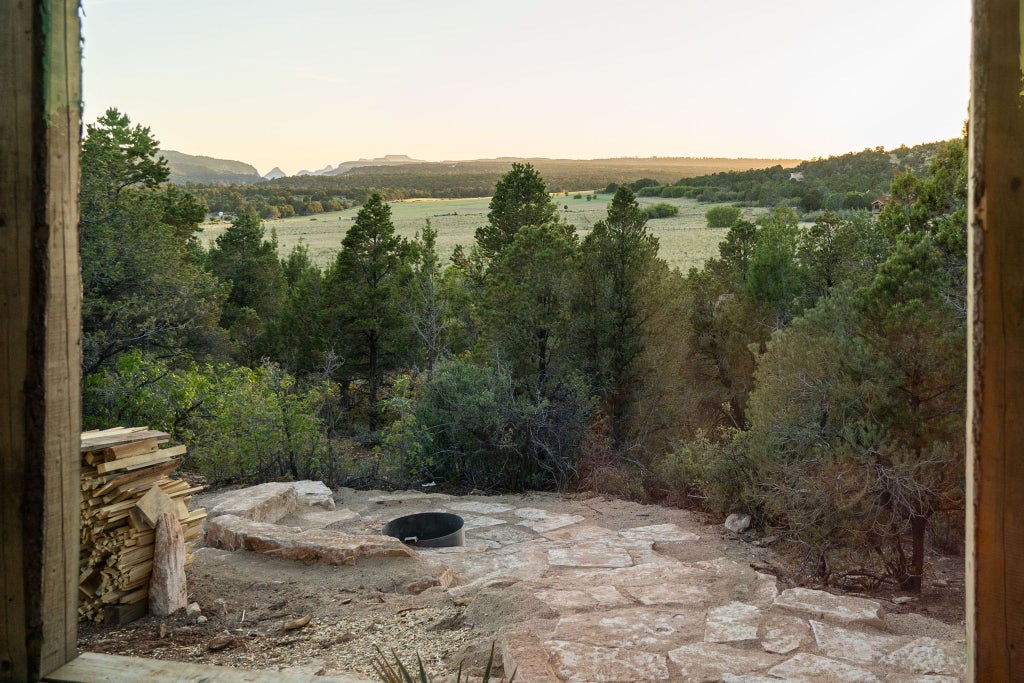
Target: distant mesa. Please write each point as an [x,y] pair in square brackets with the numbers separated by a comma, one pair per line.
[275,173]
[188,168]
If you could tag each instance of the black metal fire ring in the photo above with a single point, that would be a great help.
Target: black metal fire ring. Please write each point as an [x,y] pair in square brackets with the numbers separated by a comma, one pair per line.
[428,529]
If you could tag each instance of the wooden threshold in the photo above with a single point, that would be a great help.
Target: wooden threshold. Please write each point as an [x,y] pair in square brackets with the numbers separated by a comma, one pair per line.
[93,667]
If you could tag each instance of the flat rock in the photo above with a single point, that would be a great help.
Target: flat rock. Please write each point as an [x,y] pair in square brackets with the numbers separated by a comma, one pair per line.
[582,599]
[504,535]
[825,606]
[585,532]
[765,590]
[854,646]
[542,521]
[523,653]
[929,656]
[670,594]
[582,662]
[732,623]
[264,503]
[647,574]
[480,521]
[658,533]
[314,494]
[313,545]
[920,678]
[812,668]
[635,628]
[589,554]
[481,508]
[781,633]
[712,661]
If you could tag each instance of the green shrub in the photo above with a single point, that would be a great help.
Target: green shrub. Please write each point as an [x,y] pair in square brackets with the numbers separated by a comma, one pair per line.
[723,216]
[466,426]
[661,210]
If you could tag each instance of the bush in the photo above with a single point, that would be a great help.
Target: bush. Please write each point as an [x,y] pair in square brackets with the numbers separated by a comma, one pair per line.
[467,427]
[723,216]
[661,210]
[240,424]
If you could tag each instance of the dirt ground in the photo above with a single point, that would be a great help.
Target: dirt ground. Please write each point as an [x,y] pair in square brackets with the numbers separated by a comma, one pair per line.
[355,609]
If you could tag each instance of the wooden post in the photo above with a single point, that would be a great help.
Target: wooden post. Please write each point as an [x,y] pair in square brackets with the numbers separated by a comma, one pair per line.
[40,335]
[995,417]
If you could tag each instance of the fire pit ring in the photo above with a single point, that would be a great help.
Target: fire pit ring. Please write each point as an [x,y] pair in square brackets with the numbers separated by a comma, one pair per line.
[428,530]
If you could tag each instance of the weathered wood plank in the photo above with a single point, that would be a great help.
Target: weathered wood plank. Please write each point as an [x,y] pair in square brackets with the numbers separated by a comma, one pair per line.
[40,330]
[157,457]
[995,435]
[103,440]
[94,667]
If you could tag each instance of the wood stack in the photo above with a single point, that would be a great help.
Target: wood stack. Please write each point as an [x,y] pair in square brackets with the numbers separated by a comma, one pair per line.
[125,488]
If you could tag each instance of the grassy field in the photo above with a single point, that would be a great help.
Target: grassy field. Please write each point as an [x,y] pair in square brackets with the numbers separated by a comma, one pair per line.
[685,239]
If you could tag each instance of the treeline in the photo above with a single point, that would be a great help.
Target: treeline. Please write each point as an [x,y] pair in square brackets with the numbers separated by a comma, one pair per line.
[849,182]
[268,202]
[813,378]
[310,194]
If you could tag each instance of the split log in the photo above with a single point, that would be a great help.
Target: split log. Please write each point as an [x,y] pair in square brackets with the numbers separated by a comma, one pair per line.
[167,591]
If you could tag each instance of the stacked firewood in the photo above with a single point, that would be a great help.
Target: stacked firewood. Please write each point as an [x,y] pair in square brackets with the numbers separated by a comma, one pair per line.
[125,488]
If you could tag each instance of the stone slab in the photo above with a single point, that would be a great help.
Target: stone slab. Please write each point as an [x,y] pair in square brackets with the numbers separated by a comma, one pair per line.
[858,647]
[582,662]
[839,609]
[812,668]
[314,494]
[589,554]
[582,599]
[732,623]
[929,656]
[658,533]
[522,653]
[542,521]
[229,532]
[639,628]
[263,503]
[471,522]
[481,508]
[670,594]
[712,661]
[782,634]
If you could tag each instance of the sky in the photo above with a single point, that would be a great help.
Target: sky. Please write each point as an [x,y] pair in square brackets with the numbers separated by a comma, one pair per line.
[307,83]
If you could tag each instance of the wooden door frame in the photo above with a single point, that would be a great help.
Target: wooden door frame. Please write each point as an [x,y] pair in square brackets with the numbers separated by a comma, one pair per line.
[40,340]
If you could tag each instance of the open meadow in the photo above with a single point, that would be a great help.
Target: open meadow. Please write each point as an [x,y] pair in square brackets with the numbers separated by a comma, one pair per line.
[685,240]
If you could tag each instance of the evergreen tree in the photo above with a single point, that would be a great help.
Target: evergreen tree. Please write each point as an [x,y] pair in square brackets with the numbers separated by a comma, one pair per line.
[520,198]
[241,257]
[143,285]
[364,293]
[618,260]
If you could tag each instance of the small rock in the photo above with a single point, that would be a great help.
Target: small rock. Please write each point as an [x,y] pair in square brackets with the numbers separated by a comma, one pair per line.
[192,612]
[737,523]
[221,641]
[164,631]
[903,599]
[940,583]
[766,541]
[201,619]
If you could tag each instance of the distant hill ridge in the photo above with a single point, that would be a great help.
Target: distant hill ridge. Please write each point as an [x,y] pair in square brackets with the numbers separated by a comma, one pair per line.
[188,168]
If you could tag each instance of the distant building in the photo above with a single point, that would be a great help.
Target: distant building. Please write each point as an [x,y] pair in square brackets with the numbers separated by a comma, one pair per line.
[880,202]
[797,176]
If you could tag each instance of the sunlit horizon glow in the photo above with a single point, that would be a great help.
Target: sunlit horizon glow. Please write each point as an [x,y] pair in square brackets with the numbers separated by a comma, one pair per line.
[309,83]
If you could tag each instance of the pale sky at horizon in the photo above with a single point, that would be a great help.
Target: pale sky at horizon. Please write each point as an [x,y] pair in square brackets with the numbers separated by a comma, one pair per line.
[309,83]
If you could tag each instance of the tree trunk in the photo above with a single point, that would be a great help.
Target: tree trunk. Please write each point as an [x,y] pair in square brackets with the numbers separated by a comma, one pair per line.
[912,581]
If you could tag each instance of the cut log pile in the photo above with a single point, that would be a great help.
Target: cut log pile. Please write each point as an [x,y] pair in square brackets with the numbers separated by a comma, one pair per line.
[125,488]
